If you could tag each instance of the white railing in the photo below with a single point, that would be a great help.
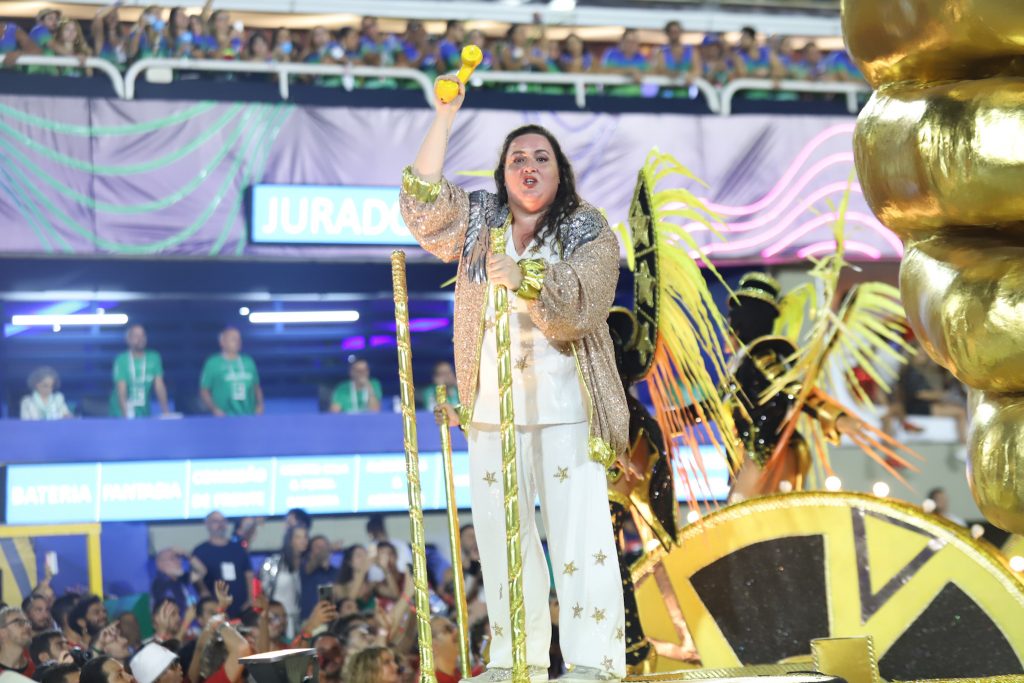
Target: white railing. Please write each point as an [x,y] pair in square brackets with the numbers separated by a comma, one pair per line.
[578,82]
[283,71]
[719,101]
[850,90]
[94,63]
[581,81]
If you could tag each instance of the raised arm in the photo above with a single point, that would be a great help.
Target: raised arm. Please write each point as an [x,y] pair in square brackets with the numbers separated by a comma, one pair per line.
[436,211]
[571,298]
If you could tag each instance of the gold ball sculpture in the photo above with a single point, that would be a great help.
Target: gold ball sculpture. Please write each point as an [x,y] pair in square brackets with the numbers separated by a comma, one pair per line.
[939,150]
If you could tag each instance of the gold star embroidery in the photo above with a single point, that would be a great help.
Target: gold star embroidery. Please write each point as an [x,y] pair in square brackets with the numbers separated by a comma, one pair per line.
[522,362]
[600,557]
[646,285]
[497,631]
[619,634]
[597,616]
[608,663]
[562,474]
[644,347]
[490,478]
[577,611]
[570,569]
[488,324]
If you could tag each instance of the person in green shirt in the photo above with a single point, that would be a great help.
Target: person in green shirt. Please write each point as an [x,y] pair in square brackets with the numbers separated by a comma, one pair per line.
[444,374]
[138,373]
[360,394]
[230,383]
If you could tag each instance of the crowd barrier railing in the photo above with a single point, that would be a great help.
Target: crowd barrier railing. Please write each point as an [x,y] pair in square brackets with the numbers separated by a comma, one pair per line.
[849,90]
[719,100]
[108,69]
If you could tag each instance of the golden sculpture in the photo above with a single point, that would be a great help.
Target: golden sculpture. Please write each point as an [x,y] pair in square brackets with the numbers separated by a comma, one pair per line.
[509,471]
[939,159]
[412,468]
[454,537]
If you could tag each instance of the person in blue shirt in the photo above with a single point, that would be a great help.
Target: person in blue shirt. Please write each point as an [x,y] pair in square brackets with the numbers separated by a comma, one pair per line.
[149,36]
[809,66]
[46,26]
[677,59]
[626,58]
[839,67]
[754,60]
[181,42]
[449,48]
[377,48]
[14,42]
[575,58]
[719,67]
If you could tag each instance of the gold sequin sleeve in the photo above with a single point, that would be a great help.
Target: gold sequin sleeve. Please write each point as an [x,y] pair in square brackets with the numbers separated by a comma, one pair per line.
[439,225]
[579,290]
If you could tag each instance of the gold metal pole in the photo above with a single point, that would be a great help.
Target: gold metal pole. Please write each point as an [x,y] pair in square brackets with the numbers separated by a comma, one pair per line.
[509,472]
[412,468]
[454,537]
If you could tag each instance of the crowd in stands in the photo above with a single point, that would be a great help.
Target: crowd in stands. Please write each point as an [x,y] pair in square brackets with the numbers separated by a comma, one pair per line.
[205,611]
[229,384]
[211,606]
[524,48]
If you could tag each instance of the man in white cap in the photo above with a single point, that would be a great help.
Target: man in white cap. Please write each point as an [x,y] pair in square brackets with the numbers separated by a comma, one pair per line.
[156,664]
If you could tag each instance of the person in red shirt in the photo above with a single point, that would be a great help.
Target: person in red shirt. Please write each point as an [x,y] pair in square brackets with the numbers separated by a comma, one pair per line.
[15,637]
[446,650]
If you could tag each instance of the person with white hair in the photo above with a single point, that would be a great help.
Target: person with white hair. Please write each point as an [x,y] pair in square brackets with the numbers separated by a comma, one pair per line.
[45,402]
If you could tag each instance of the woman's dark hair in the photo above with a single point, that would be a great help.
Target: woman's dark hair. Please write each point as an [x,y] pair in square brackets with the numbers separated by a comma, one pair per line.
[346,572]
[288,556]
[566,199]
[257,35]
[93,671]
[172,29]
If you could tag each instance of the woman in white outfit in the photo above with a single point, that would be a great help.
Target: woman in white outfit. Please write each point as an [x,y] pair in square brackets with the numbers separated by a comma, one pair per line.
[560,267]
[281,576]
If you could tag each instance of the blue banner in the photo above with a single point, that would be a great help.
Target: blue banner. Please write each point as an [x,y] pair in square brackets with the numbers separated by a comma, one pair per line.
[156,490]
[327,215]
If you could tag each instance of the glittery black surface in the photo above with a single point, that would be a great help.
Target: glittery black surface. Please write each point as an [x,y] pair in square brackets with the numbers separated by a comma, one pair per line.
[953,638]
[768,599]
[637,645]
[760,432]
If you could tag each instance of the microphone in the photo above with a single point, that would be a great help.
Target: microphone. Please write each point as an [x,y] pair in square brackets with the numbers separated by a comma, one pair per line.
[447,91]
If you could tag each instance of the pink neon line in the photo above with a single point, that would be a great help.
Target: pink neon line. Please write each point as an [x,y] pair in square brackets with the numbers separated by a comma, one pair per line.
[787,177]
[851,245]
[789,198]
[781,227]
[851,216]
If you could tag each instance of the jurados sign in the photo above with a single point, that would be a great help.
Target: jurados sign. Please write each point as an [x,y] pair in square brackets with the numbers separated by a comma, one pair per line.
[313,214]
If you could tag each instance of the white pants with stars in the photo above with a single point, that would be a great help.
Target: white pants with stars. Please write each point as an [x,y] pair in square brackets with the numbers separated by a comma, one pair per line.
[553,463]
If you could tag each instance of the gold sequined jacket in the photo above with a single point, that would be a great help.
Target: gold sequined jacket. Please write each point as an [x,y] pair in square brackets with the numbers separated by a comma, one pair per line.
[570,309]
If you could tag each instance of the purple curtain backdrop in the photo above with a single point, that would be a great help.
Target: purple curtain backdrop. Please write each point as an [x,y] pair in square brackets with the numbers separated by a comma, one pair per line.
[93,176]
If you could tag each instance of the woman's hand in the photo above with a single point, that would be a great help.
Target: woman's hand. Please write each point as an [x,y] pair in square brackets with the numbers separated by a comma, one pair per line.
[449,109]
[503,270]
[449,410]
